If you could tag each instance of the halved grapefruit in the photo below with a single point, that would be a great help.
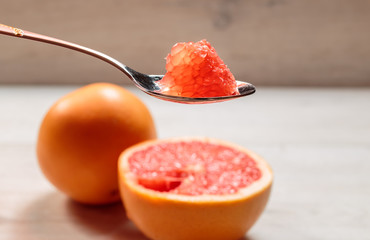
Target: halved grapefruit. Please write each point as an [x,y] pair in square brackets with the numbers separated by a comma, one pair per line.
[193,188]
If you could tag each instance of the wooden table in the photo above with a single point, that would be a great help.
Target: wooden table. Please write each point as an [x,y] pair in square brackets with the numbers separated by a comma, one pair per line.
[316,140]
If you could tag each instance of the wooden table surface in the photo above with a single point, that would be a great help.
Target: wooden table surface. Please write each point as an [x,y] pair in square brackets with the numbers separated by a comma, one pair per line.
[316,140]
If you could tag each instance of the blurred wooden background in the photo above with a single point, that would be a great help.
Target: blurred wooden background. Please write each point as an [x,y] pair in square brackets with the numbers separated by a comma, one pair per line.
[266,42]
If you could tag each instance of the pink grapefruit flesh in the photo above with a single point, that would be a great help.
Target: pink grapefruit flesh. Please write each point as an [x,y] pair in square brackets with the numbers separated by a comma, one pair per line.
[195,70]
[193,168]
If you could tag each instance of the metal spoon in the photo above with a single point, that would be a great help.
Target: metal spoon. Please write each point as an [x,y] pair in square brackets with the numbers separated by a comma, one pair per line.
[146,83]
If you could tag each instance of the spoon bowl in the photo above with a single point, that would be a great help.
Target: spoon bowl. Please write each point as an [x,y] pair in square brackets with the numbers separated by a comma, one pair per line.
[146,83]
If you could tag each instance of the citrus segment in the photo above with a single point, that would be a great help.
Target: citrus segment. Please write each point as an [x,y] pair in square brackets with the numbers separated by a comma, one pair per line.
[195,70]
[193,188]
[82,136]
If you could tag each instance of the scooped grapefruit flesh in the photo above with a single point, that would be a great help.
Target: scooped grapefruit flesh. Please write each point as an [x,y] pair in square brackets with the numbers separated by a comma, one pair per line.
[193,168]
[193,188]
[195,70]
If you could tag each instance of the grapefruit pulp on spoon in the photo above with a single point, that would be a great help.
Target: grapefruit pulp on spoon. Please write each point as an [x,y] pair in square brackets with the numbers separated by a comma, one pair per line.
[195,70]
[193,188]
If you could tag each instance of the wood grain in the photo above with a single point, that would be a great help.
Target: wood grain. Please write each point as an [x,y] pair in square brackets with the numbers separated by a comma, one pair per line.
[316,140]
[267,42]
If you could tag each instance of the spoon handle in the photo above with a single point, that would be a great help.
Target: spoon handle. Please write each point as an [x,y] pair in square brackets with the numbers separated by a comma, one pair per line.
[16,32]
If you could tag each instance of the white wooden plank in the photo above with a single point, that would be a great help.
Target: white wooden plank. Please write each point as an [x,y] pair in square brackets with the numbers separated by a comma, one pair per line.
[316,140]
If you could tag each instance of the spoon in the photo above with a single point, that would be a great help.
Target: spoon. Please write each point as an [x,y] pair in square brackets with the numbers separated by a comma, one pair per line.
[146,83]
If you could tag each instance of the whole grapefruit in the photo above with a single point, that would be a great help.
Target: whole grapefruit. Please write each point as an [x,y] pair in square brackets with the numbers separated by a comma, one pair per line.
[82,136]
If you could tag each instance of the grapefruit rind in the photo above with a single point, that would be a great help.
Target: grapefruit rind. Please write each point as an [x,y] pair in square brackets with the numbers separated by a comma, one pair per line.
[166,216]
[82,135]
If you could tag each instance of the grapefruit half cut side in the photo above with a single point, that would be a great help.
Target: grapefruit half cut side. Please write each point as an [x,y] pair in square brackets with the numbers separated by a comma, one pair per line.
[193,188]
